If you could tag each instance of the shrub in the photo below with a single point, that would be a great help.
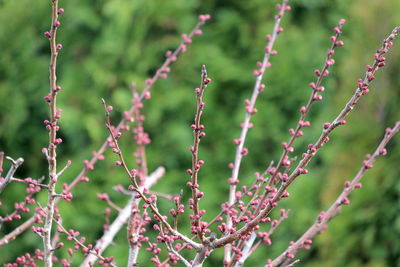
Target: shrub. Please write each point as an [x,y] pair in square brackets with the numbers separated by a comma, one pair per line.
[244,222]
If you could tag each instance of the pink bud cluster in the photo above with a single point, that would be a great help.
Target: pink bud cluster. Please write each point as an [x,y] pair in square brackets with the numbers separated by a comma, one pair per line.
[27,260]
[66,194]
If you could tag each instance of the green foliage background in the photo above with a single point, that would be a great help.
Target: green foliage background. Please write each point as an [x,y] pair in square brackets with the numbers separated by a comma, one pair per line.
[110,43]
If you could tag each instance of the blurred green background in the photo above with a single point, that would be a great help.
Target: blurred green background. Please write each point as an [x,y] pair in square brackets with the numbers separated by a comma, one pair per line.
[110,43]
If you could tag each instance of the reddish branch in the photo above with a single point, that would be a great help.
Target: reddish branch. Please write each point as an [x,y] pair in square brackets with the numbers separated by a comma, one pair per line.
[136,219]
[51,154]
[196,163]
[250,110]
[305,240]
[317,89]
[88,250]
[150,201]
[252,214]
[34,186]
[362,89]
[98,155]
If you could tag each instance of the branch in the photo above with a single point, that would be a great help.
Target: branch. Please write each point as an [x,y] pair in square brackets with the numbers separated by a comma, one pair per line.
[196,163]
[14,166]
[98,155]
[201,255]
[265,238]
[293,263]
[361,90]
[34,186]
[121,219]
[55,115]
[79,243]
[326,216]
[247,246]
[141,138]
[250,110]
[1,162]
[315,96]
[135,186]
[184,261]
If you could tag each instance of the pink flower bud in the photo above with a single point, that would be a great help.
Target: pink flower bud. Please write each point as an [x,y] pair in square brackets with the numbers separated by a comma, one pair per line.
[339,43]
[345,201]
[336,30]
[330,62]
[183,48]
[367,165]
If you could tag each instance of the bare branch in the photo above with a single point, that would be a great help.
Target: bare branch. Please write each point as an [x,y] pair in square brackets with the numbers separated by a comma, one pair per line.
[247,246]
[325,217]
[196,163]
[98,155]
[14,166]
[361,90]
[121,219]
[51,98]
[250,110]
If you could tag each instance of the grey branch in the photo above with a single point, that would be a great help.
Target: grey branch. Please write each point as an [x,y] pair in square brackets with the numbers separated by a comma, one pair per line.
[121,220]
[11,171]
[246,250]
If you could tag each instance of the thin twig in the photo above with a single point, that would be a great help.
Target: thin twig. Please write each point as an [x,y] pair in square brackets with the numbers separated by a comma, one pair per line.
[142,139]
[1,162]
[196,163]
[14,166]
[293,263]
